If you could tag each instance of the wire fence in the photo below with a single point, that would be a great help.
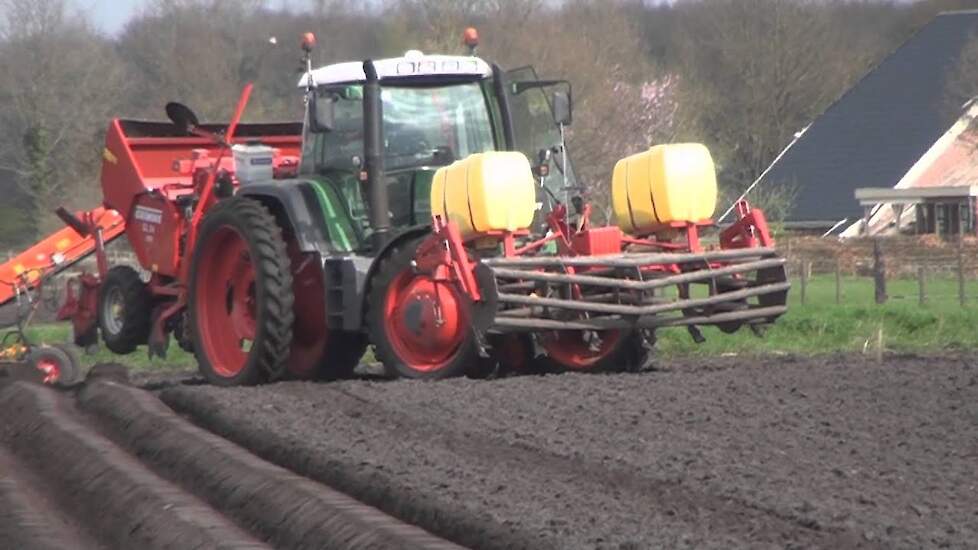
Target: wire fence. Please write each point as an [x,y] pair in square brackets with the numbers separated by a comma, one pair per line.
[884,270]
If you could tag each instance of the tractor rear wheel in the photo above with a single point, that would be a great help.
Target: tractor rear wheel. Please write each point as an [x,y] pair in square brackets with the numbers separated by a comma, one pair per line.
[124,310]
[241,296]
[419,327]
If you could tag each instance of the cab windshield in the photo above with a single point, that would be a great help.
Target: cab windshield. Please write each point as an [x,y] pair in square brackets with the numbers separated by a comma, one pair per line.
[423,126]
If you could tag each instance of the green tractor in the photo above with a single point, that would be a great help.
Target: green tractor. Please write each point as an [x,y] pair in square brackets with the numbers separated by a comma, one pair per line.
[426,206]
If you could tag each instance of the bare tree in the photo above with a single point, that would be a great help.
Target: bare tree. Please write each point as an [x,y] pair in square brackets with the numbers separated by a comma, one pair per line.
[754,72]
[58,82]
[962,81]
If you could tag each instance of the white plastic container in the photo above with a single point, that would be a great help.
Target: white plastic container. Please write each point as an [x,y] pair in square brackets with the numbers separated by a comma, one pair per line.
[253,162]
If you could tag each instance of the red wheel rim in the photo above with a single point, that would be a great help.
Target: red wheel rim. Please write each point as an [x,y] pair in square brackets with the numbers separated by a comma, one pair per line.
[226,301]
[573,350]
[51,370]
[425,321]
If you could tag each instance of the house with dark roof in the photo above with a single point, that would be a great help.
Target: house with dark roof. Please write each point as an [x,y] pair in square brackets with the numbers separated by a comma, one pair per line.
[874,134]
[939,194]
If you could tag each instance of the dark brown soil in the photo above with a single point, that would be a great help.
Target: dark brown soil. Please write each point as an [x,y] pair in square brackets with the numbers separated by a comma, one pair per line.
[732,453]
[28,519]
[285,509]
[120,463]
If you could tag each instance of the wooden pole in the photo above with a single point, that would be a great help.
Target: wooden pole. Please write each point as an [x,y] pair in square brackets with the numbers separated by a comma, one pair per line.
[879,272]
[838,281]
[922,282]
[804,280]
[961,297]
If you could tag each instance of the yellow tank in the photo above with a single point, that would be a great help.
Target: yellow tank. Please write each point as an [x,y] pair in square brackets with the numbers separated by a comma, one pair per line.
[485,192]
[668,183]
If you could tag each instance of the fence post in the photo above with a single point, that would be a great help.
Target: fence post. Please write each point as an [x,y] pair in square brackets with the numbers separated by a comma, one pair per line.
[838,282]
[922,283]
[804,280]
[879,272]
[961,296]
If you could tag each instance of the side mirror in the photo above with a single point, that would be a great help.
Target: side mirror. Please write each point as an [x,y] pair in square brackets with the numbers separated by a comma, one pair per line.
[322,113]
[563,114]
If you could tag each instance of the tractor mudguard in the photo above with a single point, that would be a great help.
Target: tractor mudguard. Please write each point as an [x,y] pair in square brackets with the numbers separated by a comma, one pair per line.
[348,279]
[295,205]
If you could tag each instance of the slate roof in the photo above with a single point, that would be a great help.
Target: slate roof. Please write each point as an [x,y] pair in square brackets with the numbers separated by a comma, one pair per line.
[872,135]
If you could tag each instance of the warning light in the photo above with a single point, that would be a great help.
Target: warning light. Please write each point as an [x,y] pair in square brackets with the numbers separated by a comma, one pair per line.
[471,38]
[308,41]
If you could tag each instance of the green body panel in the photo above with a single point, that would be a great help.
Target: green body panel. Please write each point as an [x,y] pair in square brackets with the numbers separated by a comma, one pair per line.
[340,225]
[344,212]
[422,195]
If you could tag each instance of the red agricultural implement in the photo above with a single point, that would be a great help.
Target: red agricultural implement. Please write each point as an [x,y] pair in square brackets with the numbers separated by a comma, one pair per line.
[404,213]
[21,357]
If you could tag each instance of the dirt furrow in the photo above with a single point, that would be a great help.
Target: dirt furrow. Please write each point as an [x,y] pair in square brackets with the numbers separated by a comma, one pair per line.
[783,453]
[101,485]
[28,518]
[287,510]
[607,489]
[431,508]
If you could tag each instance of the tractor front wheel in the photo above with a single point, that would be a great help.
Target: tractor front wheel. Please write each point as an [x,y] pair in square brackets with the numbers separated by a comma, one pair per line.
[241,295]
[124,310]
[419,327]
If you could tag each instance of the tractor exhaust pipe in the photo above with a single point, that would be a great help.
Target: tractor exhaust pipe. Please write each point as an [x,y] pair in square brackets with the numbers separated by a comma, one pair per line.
[373,152]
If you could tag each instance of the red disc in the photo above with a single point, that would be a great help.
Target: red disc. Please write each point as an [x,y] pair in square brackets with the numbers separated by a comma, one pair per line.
[51,370]
[579,350]
[425,321]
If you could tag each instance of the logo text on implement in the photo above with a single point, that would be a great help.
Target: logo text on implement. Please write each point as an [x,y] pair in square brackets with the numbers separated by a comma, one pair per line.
[149,215]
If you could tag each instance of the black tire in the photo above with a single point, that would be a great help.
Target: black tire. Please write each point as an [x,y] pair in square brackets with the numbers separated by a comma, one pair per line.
[87,338]
[268,355]
[181,332]
[730,284]
[69,368]
[343,354]
[126,330]
[508,354]
[73,372]
[397,259]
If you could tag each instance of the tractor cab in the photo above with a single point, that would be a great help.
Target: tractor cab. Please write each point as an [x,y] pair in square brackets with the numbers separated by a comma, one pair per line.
[434,110]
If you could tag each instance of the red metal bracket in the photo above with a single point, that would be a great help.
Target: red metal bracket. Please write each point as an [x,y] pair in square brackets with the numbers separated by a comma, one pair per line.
[443,255]
[750,229]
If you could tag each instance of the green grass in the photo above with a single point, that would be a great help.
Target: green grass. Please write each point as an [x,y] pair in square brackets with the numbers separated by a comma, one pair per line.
[819,326]
[822,326]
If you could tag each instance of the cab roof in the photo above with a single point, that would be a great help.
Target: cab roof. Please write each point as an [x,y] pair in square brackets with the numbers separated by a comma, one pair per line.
[412,64]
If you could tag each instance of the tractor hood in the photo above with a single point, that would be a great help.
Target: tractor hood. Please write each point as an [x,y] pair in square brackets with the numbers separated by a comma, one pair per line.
[413,64]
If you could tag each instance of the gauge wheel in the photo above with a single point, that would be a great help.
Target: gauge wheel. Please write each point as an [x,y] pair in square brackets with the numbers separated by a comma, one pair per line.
[124,310]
